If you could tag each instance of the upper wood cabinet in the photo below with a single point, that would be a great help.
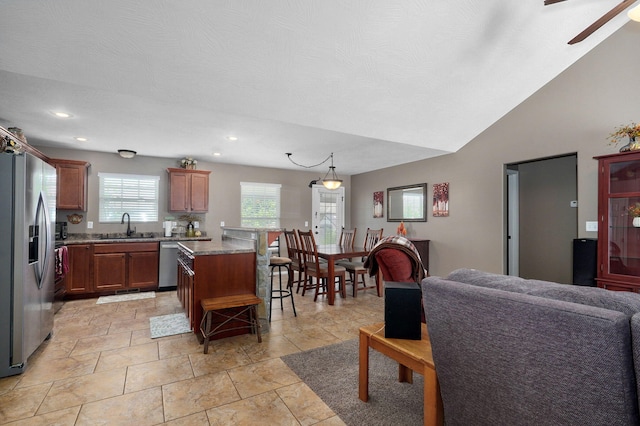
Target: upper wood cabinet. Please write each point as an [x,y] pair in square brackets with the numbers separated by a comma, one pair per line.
[71,186]
[188,190]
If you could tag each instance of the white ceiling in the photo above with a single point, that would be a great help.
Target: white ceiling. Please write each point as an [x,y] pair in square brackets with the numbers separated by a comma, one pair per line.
[377,82]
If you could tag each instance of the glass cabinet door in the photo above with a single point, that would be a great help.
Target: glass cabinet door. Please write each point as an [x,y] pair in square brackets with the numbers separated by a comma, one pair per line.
[623,240]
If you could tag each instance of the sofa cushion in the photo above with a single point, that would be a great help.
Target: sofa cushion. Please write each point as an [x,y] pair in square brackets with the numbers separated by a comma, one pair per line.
[626,302]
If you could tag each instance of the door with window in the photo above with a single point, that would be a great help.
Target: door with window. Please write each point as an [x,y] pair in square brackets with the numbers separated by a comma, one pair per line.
[328,214]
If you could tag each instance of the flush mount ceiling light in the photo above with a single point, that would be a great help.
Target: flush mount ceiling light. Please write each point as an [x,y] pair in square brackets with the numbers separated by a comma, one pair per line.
[232,138]
[330,180]
[81,139]
[126,153]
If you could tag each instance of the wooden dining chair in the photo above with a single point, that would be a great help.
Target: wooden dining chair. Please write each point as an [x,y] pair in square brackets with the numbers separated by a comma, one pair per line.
[315,269]
[347,237]
[356,269]
[294,252]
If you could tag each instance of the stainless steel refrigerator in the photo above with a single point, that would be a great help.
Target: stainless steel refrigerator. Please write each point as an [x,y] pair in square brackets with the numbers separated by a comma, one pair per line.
[27,226]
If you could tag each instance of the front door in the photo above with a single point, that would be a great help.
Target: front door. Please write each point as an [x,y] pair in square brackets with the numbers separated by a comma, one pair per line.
[328,214]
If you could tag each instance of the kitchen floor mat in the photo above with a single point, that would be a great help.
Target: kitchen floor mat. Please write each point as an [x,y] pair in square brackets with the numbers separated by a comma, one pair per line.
[168,325]
[126,297]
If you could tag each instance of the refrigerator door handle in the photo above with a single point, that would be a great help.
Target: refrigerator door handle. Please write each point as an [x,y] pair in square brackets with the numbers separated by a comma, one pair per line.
[40,251]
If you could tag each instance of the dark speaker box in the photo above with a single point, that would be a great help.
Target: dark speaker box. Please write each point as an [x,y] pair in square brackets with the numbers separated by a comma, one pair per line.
[585,261]
[402,311]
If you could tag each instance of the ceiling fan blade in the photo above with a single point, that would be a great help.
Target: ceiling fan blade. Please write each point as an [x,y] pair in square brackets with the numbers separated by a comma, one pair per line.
[600,22]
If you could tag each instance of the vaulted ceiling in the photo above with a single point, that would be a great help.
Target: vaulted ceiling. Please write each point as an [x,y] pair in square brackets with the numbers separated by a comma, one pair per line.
[377,82]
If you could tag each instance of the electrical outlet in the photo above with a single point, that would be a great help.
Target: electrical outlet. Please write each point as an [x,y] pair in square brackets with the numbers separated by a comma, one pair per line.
[196,224]
[222,223]
[306,223]
[592,226]
[89,225]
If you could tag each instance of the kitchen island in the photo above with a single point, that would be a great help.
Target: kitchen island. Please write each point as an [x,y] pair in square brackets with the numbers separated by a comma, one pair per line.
[214,269]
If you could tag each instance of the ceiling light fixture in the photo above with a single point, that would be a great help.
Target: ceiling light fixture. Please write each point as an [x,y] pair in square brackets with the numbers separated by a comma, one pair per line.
[232,138]
[126,153]
[634,14]
[330,180]
[61,114]
[217,154]
[81,139]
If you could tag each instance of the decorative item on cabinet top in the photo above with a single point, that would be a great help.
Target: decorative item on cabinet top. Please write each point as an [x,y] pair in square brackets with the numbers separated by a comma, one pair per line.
[632,131]
[188,163]
[74,218]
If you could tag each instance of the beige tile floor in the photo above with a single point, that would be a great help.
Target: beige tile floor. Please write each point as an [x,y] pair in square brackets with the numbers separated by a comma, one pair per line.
[102,367]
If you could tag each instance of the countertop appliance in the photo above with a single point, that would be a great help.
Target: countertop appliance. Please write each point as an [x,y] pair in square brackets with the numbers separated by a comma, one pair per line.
[27,226]
[167,274]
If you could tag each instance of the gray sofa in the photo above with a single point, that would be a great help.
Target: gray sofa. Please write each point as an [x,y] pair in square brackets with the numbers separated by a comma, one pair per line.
[510,351]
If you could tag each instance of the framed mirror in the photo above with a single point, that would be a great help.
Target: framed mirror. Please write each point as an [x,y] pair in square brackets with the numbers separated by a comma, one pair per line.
[407,203]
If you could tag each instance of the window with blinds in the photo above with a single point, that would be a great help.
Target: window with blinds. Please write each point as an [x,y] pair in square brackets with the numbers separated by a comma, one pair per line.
[260,205]
[124,193]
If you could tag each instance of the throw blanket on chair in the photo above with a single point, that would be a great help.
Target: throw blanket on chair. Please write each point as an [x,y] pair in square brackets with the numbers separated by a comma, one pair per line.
[396,243]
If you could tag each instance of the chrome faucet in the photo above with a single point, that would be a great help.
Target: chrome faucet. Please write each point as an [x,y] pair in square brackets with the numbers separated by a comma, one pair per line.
[129,231]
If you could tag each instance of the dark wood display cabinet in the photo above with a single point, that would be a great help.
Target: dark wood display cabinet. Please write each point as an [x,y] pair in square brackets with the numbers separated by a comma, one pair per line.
[71,185]
[188,190]
[618,239]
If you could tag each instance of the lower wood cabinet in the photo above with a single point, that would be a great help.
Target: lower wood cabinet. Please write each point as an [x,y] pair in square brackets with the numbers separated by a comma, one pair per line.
[78,279]
[104,268]
[125,266]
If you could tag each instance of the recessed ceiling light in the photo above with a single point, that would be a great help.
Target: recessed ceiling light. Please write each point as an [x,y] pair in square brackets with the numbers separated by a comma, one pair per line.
[217,154]
[61,114]
[81,139]
[232,138]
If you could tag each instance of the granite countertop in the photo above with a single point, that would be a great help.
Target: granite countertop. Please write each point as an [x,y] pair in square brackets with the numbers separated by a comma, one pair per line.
[146,237]
[201,248]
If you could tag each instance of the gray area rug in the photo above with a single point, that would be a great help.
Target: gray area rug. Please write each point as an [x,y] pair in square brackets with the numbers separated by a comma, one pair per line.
[332,373]
[168,325]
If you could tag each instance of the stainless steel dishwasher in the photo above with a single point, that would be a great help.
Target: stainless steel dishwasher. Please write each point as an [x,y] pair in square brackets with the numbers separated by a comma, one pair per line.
[167,274]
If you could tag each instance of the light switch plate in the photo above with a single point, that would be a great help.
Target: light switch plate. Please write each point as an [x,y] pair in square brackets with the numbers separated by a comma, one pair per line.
[89,225]
[222,223]
[592,226]
[306,223]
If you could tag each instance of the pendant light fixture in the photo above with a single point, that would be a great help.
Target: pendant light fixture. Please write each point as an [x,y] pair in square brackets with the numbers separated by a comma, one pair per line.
[330,180]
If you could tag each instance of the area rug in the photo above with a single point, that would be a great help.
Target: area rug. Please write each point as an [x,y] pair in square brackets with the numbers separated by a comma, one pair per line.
[168,325]
[126,297]
[332,373]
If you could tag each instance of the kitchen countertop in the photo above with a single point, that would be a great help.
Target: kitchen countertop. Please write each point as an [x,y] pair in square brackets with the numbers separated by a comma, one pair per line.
[202,248]
[147,237]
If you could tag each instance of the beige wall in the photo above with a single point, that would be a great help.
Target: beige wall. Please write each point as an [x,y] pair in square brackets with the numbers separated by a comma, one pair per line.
[224,190]
[556,120]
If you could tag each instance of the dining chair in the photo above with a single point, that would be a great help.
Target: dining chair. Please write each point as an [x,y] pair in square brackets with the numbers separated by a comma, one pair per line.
[294,252]
[347,237]
[315,269]
[356,269]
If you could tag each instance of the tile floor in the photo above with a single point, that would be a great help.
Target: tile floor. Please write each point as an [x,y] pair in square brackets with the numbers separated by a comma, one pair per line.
[102,367]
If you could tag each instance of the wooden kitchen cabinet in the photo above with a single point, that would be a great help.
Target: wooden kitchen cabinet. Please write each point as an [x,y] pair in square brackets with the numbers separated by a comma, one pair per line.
[618,239]
[78,279]
[188,190]
[71,185]
[122,266]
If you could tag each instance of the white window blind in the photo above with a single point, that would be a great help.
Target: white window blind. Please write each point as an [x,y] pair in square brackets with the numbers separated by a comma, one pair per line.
[260,205]
[124,193]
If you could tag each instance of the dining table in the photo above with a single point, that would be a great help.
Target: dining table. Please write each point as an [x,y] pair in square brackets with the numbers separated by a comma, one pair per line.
[333,252]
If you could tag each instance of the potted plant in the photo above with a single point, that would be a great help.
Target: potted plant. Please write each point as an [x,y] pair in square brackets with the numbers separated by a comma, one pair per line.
[635,212]
[188,163]
[632,131]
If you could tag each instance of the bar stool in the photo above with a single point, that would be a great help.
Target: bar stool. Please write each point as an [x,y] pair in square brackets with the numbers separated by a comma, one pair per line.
[221,306]
[280,293]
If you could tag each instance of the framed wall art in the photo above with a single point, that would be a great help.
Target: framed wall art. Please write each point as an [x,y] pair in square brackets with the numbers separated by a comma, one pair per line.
[378,204]
[441,199]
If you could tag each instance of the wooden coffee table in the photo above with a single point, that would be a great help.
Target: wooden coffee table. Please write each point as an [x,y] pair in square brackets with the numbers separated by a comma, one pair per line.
[412,355]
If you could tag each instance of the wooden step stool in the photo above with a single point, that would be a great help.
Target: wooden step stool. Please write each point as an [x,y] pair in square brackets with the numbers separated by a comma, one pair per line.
[220,305]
